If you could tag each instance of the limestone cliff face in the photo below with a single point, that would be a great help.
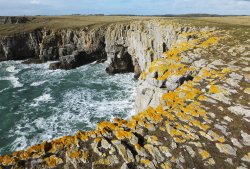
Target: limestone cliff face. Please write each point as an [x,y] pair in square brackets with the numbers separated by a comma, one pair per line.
[21,46]
[13,20]
[144,41]
[128,47]
[140,43]
[189,117]
[56,44]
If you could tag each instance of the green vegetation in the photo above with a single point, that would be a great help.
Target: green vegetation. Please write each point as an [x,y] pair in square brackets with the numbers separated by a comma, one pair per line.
[77,22]
[61,22]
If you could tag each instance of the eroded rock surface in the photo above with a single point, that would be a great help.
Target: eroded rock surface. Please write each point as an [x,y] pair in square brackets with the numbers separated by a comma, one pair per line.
[191,102]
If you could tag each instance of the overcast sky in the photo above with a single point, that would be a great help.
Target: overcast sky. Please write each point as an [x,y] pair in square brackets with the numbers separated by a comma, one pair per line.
[147,7]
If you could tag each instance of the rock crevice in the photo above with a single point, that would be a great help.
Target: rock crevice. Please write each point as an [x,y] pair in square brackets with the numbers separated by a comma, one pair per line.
[184,119]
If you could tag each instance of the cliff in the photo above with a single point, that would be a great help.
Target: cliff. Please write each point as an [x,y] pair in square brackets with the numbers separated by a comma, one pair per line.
[13,19]
[192,96]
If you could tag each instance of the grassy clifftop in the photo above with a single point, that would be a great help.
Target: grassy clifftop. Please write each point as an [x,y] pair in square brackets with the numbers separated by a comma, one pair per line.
[75,22]
[202,123]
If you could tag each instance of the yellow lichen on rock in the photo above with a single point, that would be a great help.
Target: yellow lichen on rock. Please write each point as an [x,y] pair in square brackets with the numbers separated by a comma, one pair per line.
[146,162]
[6,160]
[53,161]
[165,165]
[210,41]
[120,134]
[204,154]
[214,89]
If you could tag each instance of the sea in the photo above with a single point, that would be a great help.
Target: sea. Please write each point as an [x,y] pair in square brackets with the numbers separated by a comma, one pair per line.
[38,104]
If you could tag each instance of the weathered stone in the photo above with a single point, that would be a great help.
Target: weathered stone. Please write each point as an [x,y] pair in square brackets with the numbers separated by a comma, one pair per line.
[154,152]
[236,142]
[190,151]
[141,151]
[133,140]
[14,19]
[247,91]
[165,151]
[108,161]
[236,76]
[95,147]
[228,119]
[239,110]
[124,152]
[105,144]
[226,149]
[246,138]
[246,158]
[124,166]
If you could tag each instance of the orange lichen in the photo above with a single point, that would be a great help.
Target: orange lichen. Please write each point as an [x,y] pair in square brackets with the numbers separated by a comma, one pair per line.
[210,41]
[221,139]
[53,161]
[67,141]
[226,70]
[179,140]
[79,154]
[106,125]
[6,160]
[182,113]
[56,145]
[143,75]
[202,98]
[36,148]
[83,136]
[152,115]
[97,140]
[146,162]
[161,111]
[120,134]
[75,154]
[204,154]
[137,146]
[214,89]
[165,165]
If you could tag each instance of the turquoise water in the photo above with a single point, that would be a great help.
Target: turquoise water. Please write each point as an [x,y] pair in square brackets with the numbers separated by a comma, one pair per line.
[38,104]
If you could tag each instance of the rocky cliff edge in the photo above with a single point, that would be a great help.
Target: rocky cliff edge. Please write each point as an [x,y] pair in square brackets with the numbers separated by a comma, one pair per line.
[192,102]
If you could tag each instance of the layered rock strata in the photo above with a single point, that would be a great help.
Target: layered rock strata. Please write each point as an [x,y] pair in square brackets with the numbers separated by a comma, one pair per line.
[13,19]
[188,117]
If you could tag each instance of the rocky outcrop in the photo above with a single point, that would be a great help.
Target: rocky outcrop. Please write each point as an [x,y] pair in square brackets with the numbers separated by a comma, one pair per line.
[21,46]
[187,117]
[72,48]
[13,19]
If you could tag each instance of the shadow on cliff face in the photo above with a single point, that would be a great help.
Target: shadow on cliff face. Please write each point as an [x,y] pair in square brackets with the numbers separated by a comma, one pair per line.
[76,59]
[123,62]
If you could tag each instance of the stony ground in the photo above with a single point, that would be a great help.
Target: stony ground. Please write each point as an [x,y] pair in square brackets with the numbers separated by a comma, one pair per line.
[203,120]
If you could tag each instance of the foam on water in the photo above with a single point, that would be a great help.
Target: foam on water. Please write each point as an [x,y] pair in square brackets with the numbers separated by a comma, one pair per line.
[38,83]
[50,104]
[45,98]
[14,81]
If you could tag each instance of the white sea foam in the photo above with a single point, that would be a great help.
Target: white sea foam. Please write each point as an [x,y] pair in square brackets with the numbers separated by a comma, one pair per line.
[45,98]
[14,81]
[38,83]
[87,96]
[12,69]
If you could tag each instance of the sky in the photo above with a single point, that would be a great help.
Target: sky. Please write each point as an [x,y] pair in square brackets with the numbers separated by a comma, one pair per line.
[140,7]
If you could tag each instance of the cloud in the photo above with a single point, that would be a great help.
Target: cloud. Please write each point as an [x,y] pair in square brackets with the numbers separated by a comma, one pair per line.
[149,7]
[35,2]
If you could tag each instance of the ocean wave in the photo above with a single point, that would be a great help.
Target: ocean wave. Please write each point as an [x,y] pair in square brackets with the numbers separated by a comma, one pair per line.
[45,98]
[34,84]
[66,101]
[12,69]
[14,81]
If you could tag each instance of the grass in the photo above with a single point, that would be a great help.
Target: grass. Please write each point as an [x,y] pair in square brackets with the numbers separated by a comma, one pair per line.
[77,22]
[62,22]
